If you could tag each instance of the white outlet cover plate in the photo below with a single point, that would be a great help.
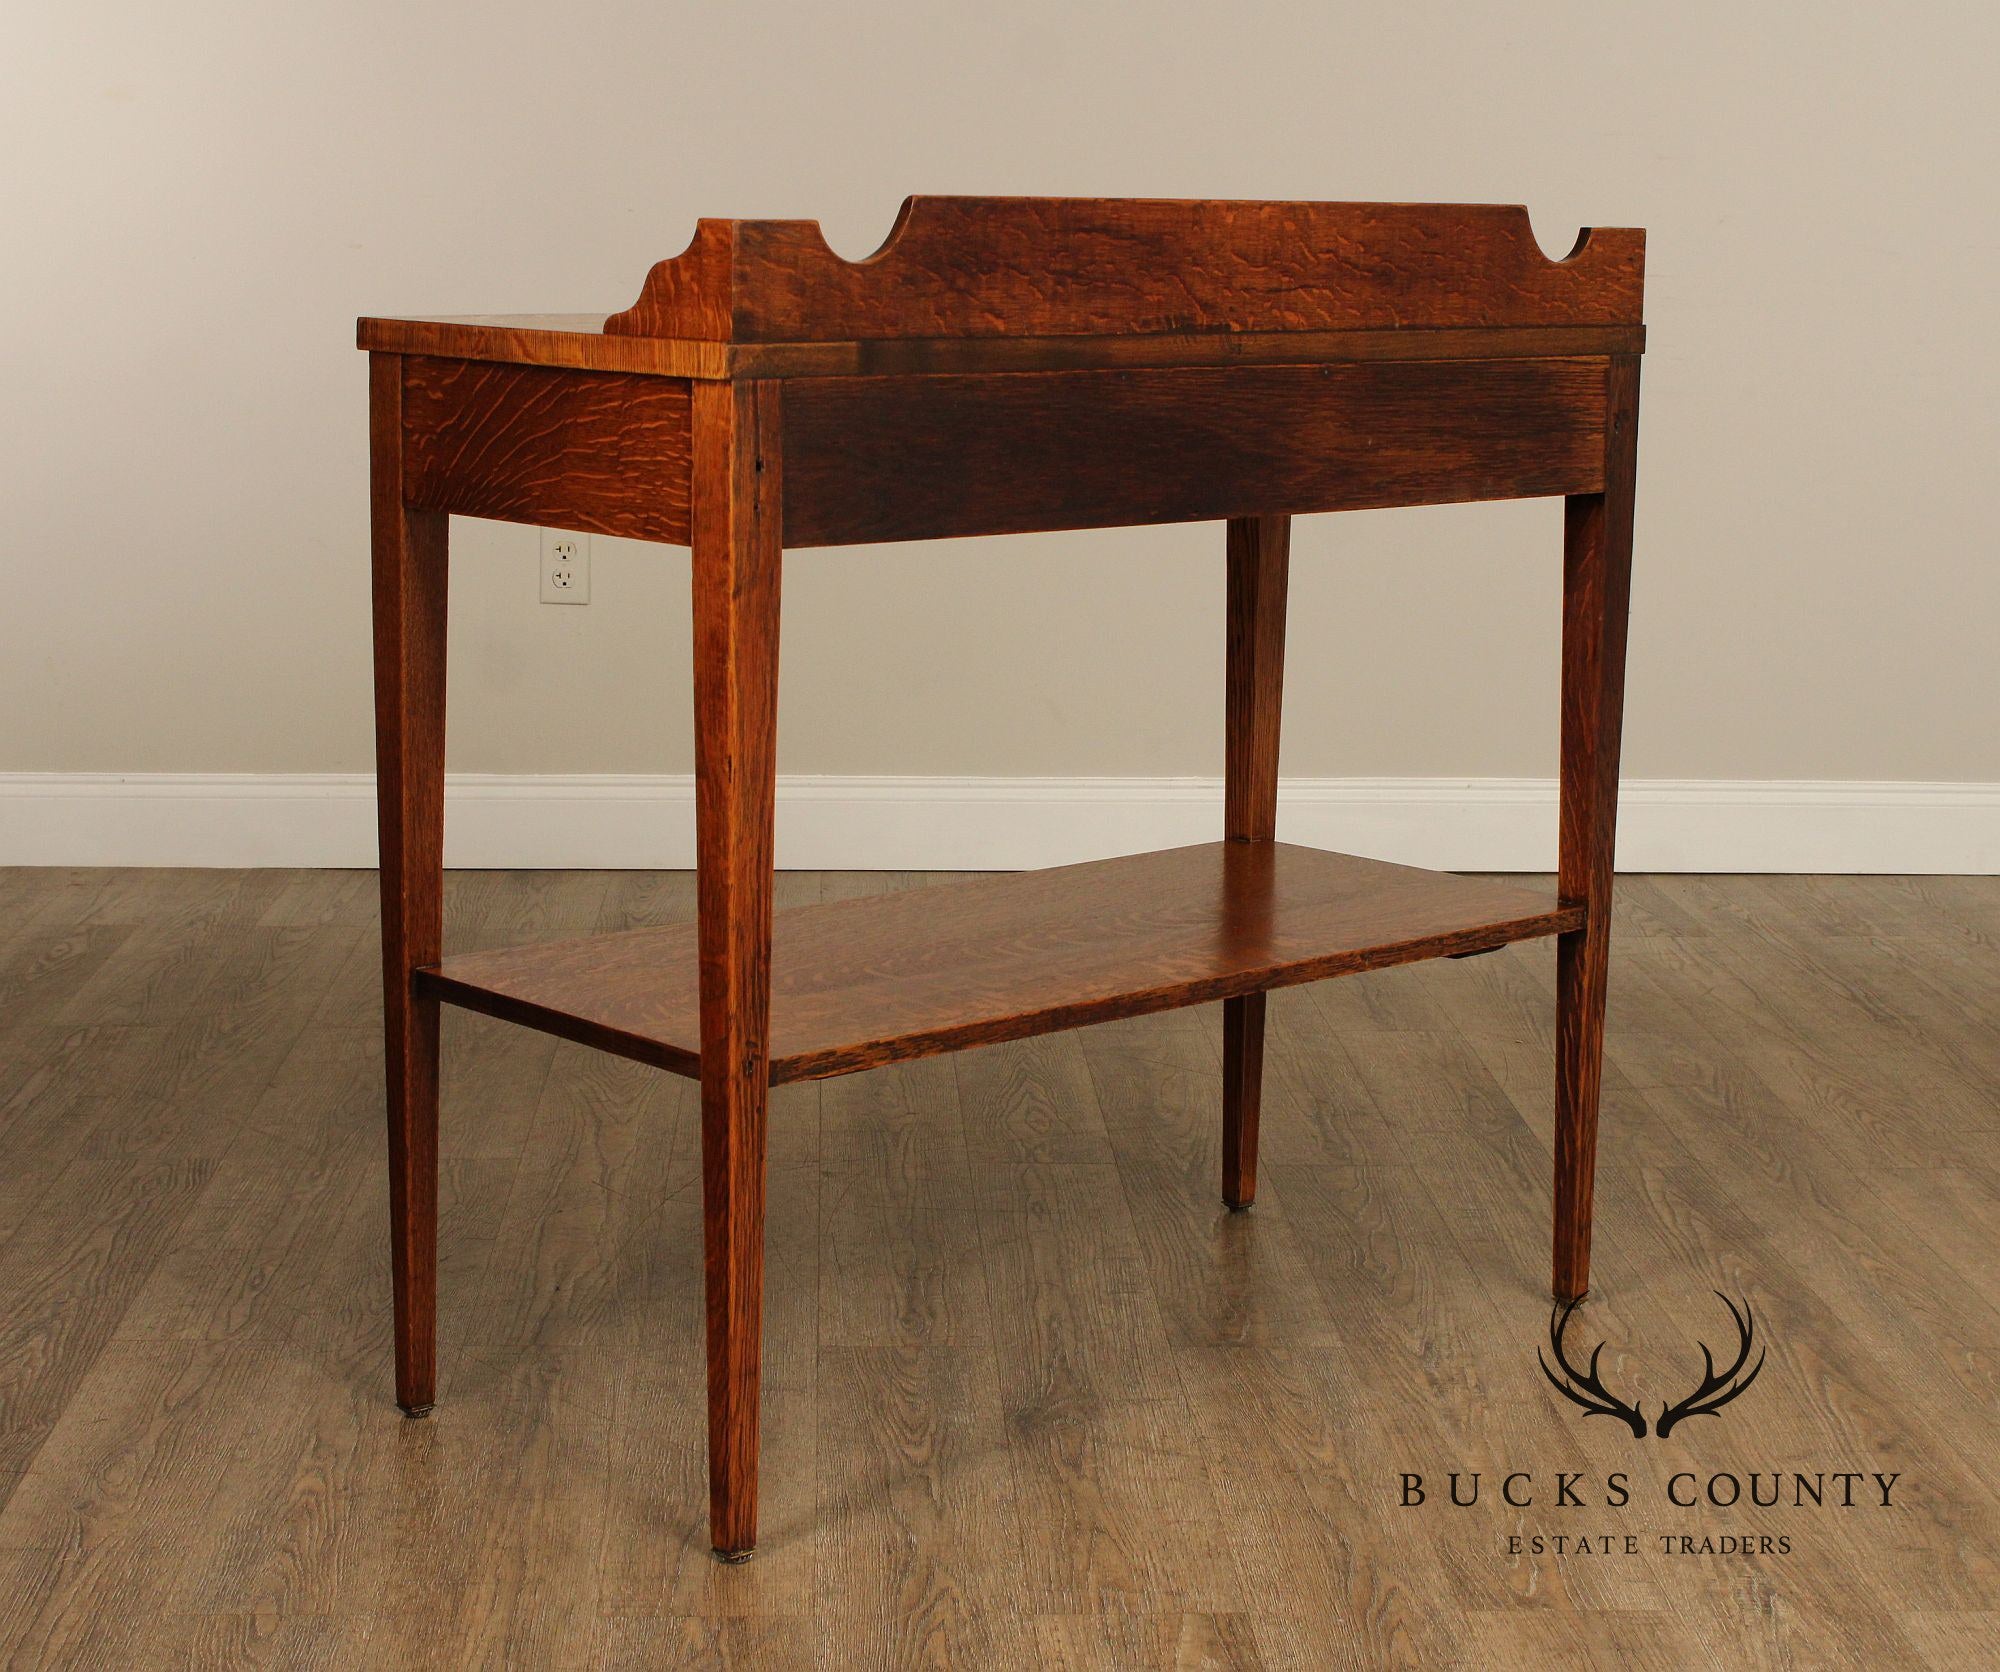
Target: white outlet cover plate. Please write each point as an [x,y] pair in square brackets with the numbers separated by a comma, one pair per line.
[565,567]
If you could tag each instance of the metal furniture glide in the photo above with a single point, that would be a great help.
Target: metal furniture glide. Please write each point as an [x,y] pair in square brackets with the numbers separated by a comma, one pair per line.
[1000,365]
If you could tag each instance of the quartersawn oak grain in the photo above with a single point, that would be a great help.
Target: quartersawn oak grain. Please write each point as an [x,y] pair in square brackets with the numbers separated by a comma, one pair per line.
[1001,266]
[602,452]
[863,982]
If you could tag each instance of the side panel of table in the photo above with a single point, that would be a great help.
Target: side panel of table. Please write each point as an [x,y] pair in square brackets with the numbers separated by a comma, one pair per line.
[601,452]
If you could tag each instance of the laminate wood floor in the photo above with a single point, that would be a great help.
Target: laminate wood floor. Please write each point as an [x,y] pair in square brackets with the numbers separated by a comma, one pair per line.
[1032,1397]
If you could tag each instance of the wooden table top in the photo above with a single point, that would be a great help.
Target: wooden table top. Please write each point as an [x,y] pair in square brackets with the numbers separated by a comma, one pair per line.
[997,284]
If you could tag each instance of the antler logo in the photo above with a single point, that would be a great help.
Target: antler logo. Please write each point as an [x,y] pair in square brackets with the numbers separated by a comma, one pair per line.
[1582,1387]
[1586,1389]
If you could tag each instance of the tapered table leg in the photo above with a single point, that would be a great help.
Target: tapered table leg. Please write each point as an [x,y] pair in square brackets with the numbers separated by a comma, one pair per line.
[736,539]
[409,607]
[1597,580]
[1259,560]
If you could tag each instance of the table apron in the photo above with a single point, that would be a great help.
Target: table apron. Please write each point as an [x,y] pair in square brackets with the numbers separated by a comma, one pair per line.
[917,458]
[931,456]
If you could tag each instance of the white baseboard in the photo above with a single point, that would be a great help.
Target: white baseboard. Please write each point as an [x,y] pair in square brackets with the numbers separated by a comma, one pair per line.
[944,824]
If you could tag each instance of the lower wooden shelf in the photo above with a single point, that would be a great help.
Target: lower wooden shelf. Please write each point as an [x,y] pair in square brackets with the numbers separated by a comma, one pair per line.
[862,982]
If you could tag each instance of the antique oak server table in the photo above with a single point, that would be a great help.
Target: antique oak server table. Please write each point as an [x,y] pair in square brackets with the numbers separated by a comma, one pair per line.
[1000,365]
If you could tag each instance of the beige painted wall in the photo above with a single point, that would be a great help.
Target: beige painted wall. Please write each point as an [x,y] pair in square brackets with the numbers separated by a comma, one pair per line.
[199,199]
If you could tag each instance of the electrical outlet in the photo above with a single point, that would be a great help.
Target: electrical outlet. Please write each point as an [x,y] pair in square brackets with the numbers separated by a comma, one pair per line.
[565,567]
